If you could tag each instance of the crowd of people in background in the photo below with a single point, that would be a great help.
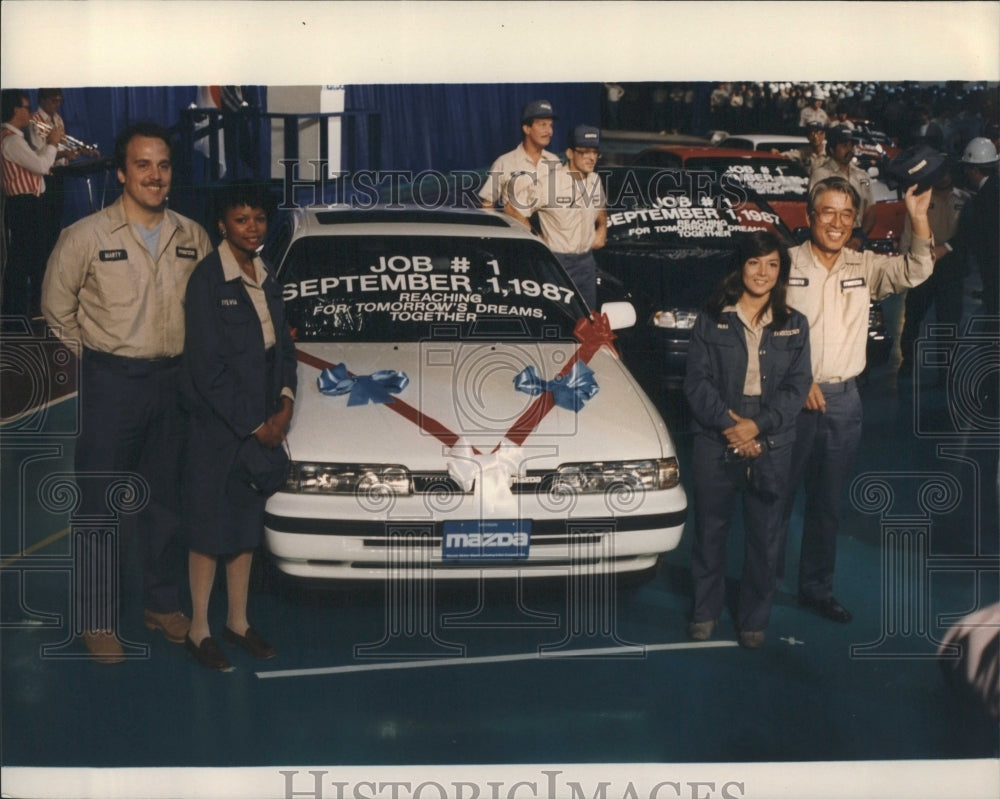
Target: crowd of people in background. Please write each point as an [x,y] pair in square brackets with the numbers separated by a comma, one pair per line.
[116,289]
[948,114]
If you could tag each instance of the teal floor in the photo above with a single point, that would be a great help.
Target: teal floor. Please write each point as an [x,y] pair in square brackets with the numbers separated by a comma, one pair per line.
[501,675]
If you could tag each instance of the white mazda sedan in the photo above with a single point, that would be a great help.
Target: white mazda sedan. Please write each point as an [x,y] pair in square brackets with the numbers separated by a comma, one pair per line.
[460,412]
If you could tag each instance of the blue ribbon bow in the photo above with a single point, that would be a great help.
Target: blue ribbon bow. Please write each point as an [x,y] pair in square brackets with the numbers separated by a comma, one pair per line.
[363,389]
[569,392]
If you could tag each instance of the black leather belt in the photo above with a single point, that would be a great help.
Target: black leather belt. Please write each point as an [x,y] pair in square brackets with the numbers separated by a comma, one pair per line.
[131,365]
[838,387]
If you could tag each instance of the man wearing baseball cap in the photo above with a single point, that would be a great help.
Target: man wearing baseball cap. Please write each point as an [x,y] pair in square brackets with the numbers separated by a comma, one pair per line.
[812,155]
[840,146]
[571,209]
[528,163]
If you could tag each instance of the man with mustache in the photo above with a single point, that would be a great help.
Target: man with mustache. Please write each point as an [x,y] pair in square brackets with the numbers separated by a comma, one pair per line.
[528,164]
[114,292]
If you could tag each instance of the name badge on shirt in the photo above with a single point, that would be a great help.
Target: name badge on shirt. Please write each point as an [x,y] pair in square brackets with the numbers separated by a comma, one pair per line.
[793,332]
[113,255]
[798,281]
[853,283]
[225,301]
[186,252]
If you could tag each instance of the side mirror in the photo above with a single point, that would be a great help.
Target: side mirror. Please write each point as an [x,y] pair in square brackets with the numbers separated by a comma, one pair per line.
[620,314]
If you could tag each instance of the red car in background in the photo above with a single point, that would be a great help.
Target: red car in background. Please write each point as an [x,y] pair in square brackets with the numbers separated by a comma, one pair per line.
[782,182]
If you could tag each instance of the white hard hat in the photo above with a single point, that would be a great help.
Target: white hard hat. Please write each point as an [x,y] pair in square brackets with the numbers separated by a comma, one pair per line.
[979,151]
[818,94]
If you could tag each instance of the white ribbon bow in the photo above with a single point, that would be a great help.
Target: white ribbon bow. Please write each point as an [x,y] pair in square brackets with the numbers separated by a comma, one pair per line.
[491,473]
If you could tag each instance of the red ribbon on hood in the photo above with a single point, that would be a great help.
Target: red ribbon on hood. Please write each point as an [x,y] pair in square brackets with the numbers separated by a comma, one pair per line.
[592,333]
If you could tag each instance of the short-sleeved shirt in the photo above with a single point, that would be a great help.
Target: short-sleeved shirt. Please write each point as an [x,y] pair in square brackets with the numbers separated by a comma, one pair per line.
[836,300]
[943,215]
[104,289]
[567,209]
[516,165]
[810,114]
[808,157]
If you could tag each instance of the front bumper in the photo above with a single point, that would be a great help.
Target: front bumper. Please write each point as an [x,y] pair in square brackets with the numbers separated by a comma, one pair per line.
[408,545]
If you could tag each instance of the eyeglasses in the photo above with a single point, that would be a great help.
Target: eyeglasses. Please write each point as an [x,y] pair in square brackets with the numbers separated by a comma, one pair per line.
[827,215]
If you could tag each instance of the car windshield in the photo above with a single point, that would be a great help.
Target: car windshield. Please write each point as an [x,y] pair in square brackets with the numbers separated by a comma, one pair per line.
[772,179]
[392,288]
[682,210]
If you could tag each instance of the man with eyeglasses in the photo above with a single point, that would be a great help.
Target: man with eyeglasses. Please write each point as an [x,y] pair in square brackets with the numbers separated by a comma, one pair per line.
[840,145]
[832,285]
[571,210]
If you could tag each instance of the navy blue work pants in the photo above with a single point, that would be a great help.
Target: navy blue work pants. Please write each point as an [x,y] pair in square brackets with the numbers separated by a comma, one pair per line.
[716,486]
[826,445]
[582,269]
[132,422]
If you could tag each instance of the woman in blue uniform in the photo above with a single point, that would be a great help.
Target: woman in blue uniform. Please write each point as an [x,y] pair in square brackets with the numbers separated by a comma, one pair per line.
[748,373]
[239,370]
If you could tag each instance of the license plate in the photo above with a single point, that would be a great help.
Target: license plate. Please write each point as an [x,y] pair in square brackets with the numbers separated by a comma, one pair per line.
[486,540]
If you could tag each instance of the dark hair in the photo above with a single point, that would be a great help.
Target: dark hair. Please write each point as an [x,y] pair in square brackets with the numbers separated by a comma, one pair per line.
[238,193]
[149,129]
[48,94]
[11,100]
[731,288]
[832,184]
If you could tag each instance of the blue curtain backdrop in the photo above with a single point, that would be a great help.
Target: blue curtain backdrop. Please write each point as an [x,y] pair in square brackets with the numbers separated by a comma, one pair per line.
[442,127]
[467,125]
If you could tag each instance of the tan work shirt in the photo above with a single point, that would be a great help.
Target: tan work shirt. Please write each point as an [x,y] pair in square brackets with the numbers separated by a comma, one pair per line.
[943,214]
[103,289]
[516,165]
[752,334]
[567,209]
[231,270]
[836,301]
[808,157]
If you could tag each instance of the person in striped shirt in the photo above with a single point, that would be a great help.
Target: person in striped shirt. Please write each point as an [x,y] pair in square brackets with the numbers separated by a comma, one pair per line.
[24,172]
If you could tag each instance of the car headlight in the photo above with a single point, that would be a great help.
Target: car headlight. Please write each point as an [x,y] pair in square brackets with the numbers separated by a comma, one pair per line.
[599,476]
[348,478]
[676,318]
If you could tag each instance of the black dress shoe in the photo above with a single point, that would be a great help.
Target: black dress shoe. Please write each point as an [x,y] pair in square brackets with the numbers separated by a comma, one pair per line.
[828,608]
[251,642]
[208,654]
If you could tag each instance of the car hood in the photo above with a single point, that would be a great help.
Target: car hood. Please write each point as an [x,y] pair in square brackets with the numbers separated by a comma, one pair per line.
[466,389]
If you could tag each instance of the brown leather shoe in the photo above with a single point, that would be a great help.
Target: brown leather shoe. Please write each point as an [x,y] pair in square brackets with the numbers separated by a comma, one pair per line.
[251,641]
[701,630]
[752,639]
[174,626]
[103,646]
